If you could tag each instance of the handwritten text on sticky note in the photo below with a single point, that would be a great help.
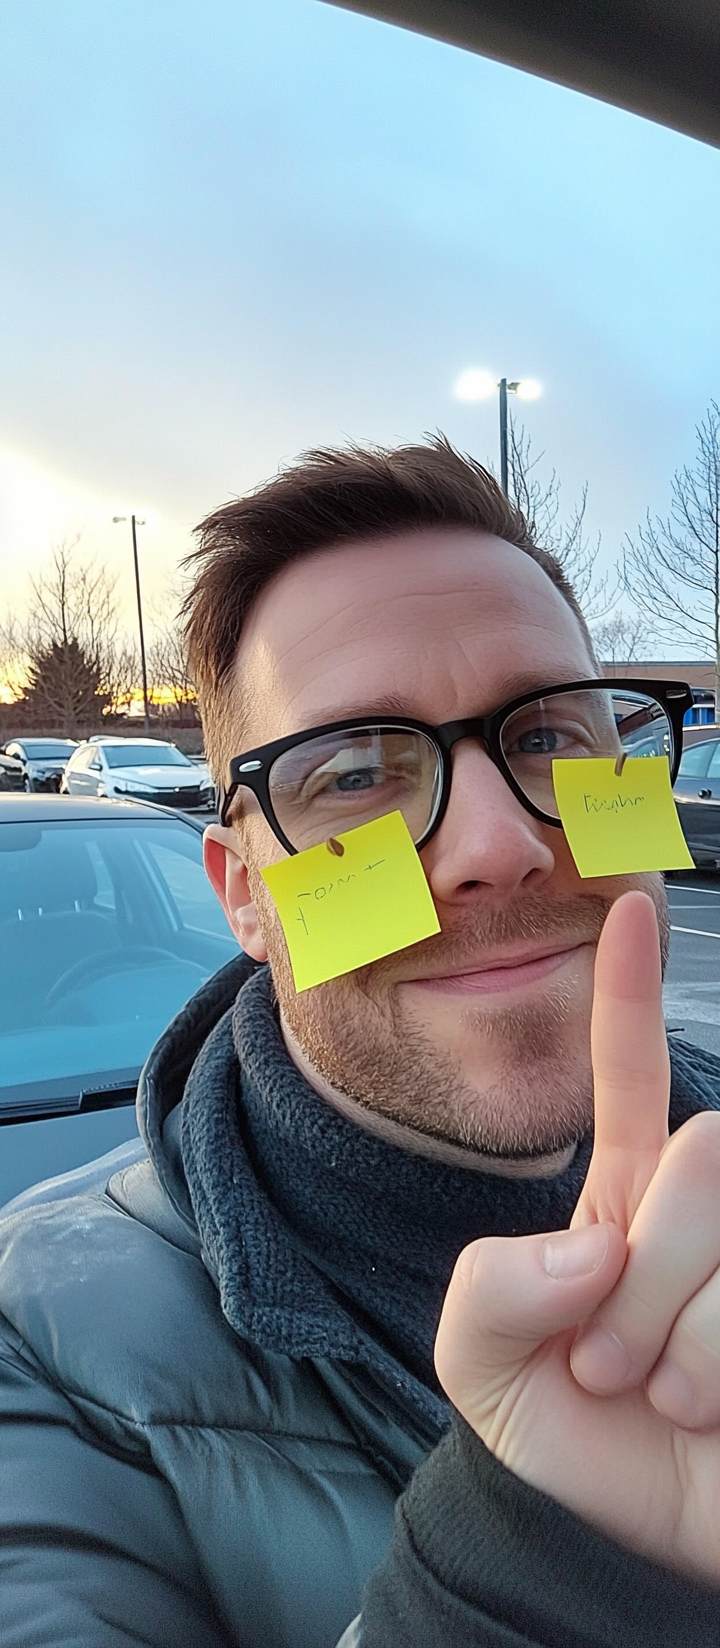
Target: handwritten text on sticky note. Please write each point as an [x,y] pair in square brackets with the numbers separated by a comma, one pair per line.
[618,823]
[339,912]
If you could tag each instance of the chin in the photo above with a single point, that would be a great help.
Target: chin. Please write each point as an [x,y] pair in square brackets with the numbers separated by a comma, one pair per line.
[527,1112]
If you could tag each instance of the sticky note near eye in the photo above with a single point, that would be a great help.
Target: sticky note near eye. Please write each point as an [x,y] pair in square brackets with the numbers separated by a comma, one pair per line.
[619,822]
[349,902]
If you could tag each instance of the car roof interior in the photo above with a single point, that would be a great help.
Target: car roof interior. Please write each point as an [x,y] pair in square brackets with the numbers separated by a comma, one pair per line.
[657,58]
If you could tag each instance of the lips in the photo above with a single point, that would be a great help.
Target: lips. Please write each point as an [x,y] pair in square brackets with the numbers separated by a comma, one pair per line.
[502,973]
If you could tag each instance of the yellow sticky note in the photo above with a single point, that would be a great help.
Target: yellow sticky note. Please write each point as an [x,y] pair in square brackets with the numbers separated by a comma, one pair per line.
[339,912]
[618,823]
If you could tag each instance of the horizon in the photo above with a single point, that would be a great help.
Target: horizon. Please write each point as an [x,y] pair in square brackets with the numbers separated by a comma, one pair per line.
[233,232]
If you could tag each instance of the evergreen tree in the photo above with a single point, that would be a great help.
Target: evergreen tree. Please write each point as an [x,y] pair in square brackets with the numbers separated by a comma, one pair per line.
[64,688]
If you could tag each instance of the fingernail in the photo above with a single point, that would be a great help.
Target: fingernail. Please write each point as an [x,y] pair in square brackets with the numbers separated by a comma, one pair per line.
[599,1358]
[575,1252]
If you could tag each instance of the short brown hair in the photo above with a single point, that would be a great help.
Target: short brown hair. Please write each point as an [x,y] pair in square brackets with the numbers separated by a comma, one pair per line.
[327,497]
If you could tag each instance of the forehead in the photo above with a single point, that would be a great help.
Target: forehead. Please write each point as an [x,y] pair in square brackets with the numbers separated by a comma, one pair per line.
[444,623]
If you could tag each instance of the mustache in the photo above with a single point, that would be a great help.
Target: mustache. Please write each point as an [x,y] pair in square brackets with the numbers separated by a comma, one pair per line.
[483,932]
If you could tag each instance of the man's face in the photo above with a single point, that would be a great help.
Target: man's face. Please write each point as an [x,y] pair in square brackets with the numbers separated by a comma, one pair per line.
[479,1035]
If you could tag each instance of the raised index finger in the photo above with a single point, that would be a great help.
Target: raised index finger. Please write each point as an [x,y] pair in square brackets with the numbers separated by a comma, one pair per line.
[631,1064]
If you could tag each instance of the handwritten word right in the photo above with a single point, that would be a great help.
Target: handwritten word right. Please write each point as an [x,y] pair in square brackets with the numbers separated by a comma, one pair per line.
[611,804]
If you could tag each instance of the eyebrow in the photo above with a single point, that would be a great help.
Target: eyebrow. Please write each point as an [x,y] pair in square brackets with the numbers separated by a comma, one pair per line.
[392,704]
[387,704]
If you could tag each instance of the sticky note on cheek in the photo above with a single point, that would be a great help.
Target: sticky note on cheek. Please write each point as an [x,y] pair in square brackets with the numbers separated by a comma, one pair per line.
[343,910]
[619,823]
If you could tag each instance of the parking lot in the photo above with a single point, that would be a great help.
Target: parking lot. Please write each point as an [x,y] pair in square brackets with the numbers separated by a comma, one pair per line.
[692,985]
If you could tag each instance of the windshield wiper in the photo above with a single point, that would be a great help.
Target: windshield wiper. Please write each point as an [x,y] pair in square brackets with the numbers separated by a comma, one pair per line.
[111,1096]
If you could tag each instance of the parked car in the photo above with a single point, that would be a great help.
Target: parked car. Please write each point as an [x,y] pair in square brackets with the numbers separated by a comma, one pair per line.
[34,763]
[108,925]
[146,769]
[200,761]
[697,794]
[12,772]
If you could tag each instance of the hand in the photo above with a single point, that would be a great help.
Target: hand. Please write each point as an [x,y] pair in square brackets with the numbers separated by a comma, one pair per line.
[619,1418]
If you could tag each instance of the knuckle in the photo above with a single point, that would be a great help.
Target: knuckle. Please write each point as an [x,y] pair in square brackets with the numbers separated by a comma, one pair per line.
[698,1137]
[633,1317]
[470,1267]
[481,1283]
[695,1340]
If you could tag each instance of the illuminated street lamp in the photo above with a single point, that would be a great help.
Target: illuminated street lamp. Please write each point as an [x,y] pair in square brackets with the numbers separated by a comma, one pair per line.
[135,523]
[476,385]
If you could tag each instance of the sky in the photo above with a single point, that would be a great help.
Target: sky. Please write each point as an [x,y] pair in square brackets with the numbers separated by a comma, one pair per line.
[235,229]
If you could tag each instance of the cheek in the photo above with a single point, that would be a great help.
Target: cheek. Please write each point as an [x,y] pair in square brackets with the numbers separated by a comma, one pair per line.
[565,866]
[260,846]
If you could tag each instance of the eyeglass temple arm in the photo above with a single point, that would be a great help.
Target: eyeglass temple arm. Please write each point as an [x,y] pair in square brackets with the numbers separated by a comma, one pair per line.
[225,798]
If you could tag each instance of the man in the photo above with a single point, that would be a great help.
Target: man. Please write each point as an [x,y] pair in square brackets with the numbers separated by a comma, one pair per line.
[217,1368]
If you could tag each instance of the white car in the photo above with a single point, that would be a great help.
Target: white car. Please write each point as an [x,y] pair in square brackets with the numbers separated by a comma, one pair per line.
[141,769]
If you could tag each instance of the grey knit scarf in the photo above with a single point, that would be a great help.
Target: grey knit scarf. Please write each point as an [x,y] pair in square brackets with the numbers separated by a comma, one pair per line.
[327,1241]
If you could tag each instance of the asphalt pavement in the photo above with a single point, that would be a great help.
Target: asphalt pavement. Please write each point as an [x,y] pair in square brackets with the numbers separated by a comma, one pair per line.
[692,983]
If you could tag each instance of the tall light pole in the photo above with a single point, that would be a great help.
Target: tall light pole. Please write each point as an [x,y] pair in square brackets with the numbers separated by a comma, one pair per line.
[504,388]
[476,385]
[135,522]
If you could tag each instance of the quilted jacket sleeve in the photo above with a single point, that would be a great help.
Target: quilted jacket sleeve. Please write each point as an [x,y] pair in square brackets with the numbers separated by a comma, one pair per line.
[93,1550]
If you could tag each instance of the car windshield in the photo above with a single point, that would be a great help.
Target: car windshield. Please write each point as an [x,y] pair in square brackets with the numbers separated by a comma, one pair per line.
[45,749]
[106,929]
[141,755]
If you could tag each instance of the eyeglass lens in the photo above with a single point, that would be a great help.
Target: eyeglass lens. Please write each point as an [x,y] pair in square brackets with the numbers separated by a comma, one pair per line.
[342,779]
[593,723]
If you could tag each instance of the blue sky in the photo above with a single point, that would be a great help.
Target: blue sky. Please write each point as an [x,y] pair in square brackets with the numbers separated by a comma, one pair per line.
[236,228]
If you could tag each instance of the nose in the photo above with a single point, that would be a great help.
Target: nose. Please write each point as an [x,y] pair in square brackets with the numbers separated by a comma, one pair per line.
[487,842]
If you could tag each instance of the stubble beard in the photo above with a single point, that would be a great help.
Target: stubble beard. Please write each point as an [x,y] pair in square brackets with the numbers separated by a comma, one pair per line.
[360,1038]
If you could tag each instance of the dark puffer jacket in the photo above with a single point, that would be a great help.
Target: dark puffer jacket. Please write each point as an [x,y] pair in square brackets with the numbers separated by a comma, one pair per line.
[166,1478]
[162,1481]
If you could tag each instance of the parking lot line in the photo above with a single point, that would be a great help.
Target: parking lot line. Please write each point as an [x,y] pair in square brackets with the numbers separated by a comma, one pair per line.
[698,931]
[700,892]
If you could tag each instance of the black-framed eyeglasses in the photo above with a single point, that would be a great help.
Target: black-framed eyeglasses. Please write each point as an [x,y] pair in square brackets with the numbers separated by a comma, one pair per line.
[317,783]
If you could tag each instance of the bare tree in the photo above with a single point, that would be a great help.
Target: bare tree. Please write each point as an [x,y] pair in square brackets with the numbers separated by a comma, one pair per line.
[74,601]
[66,660]
[539,502]
[13,656]
[672,568]
[622,638]
[168,665]
[123,675]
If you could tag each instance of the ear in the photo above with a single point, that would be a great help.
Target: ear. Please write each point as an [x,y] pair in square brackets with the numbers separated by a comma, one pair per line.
[228,876]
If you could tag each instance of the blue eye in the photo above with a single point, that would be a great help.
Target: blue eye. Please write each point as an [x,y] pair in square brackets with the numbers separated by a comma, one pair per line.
[360,779]
[539,741]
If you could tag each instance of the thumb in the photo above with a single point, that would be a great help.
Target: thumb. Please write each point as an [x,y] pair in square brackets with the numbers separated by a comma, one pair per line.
[507,1296]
